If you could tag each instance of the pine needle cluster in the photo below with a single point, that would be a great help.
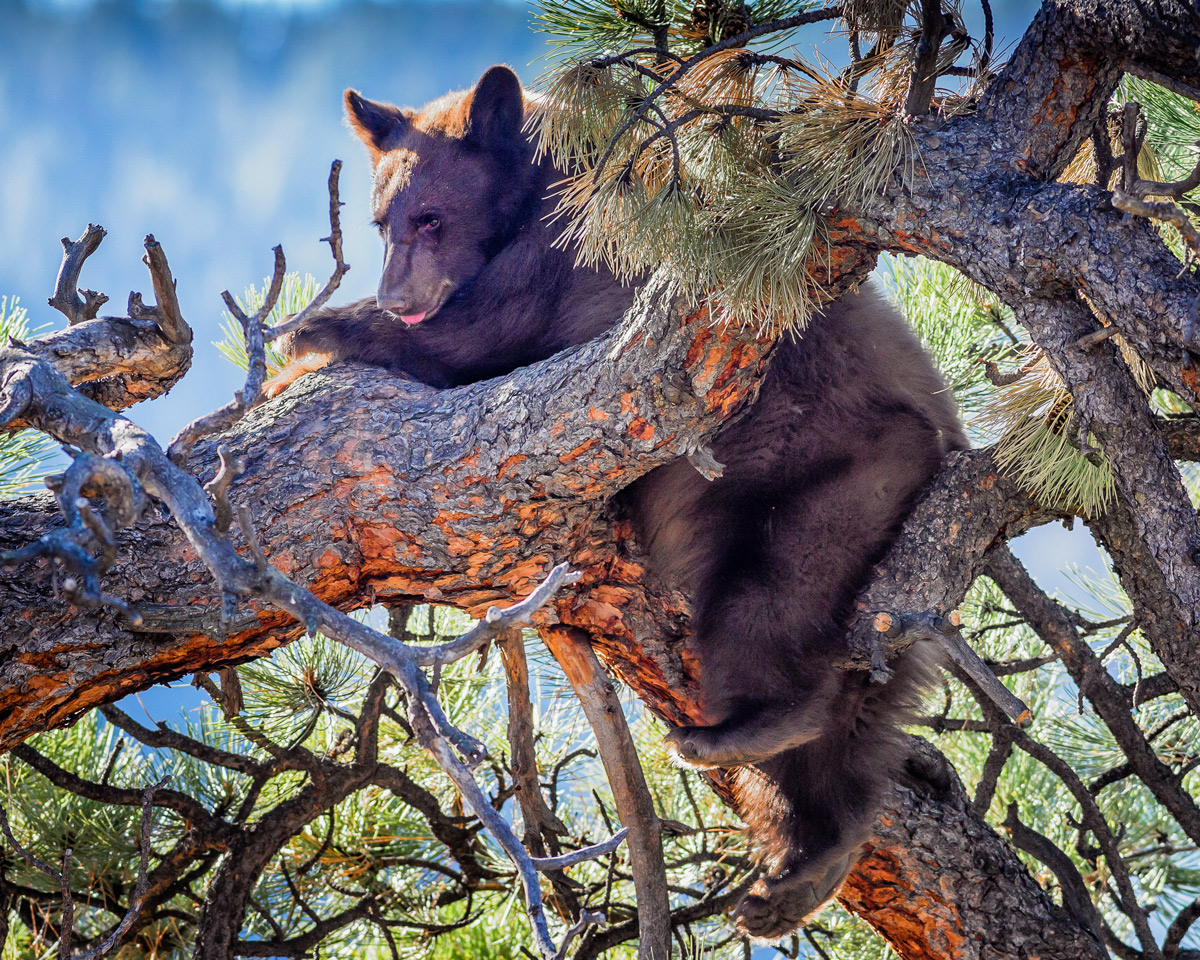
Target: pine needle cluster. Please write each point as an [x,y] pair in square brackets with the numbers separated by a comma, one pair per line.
[716,155]
[1040,442]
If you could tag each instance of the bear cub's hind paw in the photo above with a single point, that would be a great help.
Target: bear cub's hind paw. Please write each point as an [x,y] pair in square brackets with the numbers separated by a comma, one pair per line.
[774,907]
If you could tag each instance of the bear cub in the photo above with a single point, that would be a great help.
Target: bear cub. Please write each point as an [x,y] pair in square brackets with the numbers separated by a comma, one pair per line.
[852,421]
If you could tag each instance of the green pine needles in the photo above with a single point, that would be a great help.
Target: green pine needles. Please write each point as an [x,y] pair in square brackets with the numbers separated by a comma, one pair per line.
[23,455]
[716,148]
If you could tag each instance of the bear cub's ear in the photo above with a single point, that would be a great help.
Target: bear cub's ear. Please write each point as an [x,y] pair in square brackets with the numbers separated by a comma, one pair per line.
[497,108]
[374,122]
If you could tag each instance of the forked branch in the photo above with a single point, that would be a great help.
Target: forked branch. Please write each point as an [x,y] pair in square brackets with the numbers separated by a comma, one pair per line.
[68,299]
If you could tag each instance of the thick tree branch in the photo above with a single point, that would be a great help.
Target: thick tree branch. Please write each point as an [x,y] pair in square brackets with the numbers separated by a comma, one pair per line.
[635,806]
[1109,402]
[967,899]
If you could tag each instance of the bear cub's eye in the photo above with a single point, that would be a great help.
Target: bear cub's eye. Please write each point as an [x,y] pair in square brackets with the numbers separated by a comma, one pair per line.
[428,222]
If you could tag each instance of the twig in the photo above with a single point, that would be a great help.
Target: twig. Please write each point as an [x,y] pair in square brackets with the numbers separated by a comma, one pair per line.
[77,306]
[138,898]
[226,416]
[589,918]
[985,58]
[112,760]
[218,487]
[1089,340]
[29,857]
[1075,896]
[495,622]
[340,267]
[923,78]
[774,26]
[166,311]
[1130,144]
[1160,210]
[1109,700]
[944,631]
[1176,189]
[998,379]
[558,768]
[1179,928]
[594,852]
[993,766]
[125,499]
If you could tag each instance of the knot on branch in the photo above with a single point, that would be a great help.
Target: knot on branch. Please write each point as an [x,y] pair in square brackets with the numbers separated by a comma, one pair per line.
[90,478]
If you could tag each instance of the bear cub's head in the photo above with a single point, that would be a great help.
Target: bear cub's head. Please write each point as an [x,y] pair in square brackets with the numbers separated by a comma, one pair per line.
[453,183]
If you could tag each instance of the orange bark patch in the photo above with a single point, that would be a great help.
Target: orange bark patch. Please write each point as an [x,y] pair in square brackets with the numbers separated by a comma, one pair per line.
[594,414]
[378,542]
[510,465]
[698,346]
[579,451]
[640,429]
[1191,379]
[328,559]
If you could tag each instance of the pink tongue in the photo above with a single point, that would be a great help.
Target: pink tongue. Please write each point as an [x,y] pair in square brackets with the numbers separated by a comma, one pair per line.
[413,317]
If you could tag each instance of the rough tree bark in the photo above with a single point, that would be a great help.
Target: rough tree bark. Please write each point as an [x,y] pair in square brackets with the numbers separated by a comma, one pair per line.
[368,489]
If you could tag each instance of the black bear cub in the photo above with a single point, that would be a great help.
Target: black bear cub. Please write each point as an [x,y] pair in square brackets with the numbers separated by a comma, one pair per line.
[851,422]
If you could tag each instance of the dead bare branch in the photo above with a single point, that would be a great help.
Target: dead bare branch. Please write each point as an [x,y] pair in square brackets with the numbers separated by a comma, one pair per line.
[340,268]
[594,852]
[229,414]
[904,630]
[635,806]
[166,311]
[68,299]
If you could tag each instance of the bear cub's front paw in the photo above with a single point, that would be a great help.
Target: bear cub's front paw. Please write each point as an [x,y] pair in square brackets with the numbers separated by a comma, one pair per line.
[309,363]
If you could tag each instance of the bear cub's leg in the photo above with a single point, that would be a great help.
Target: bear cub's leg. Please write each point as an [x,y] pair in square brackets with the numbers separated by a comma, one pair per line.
[754,732]
[771,604]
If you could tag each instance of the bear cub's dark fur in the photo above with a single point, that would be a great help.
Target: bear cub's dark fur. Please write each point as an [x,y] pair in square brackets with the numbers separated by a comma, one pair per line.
[851,422]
